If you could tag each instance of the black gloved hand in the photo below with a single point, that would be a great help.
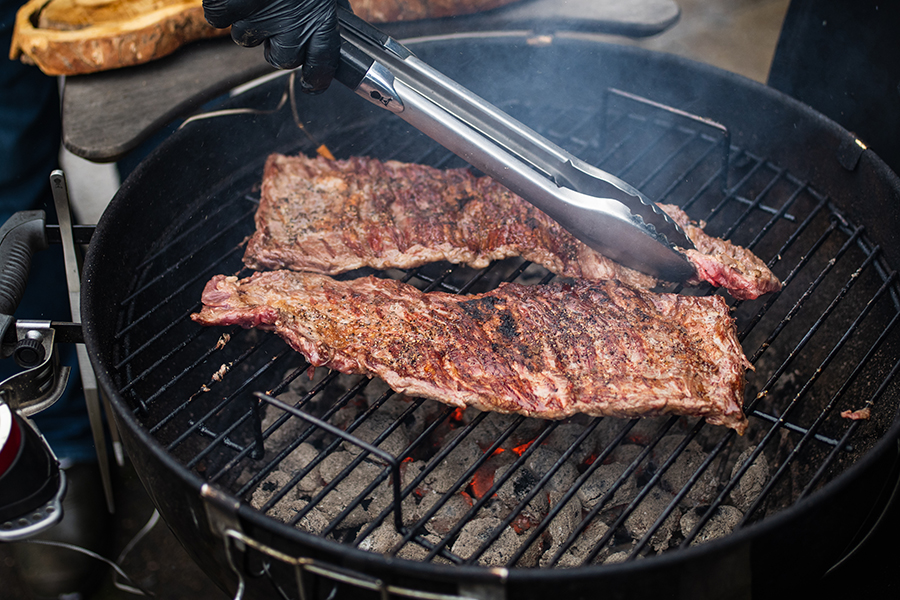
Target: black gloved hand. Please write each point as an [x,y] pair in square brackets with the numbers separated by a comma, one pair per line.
[295,32]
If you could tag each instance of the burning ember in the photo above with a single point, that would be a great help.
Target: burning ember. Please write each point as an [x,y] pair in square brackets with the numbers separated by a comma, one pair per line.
[500,490]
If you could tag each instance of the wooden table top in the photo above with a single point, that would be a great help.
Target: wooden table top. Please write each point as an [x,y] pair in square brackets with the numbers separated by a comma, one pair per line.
[108,114]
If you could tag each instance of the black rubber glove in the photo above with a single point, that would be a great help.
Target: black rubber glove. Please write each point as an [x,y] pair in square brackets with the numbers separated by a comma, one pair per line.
[294,32]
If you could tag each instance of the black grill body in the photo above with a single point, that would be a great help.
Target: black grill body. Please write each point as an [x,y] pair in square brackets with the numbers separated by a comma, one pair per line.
[761,169]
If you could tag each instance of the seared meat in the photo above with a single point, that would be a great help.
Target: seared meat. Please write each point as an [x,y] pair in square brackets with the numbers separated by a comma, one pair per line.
[724,264]
[333,216]
[546,351]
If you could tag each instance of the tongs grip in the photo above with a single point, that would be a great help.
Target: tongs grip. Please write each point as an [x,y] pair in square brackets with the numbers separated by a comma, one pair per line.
[20,237]
[355,63]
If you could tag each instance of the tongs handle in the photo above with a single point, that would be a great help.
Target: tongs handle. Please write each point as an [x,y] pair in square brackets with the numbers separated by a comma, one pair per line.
[598,208]
[495,124]
[355,63]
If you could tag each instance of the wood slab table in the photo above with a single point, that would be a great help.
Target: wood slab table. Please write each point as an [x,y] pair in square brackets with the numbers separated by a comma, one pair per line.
[108,114]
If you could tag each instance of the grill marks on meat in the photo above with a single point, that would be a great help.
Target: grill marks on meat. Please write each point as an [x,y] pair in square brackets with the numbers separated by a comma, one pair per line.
[547,351]
[333,216]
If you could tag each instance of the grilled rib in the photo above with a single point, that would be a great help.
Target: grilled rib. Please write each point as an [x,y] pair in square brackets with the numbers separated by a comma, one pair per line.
[547,351]
[333,216]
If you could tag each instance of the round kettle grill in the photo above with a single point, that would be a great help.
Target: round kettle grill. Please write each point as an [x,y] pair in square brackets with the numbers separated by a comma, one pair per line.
[215,420]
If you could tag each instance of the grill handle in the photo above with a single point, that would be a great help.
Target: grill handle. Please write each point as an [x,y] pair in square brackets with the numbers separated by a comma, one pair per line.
[20,237]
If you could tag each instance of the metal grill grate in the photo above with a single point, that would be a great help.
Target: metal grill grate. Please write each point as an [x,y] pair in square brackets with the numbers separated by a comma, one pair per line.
[826,344]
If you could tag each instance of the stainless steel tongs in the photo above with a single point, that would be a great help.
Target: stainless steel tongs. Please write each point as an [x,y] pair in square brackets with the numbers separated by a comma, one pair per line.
[598,208]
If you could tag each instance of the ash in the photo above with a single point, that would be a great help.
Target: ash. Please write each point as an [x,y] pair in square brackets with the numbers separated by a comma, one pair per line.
[500,490]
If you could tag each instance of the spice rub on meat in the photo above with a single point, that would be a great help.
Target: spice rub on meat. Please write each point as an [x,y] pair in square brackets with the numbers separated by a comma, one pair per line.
[547,351]
[333,216]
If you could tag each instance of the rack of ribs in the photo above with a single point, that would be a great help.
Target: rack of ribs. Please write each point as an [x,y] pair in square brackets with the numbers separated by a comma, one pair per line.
[333,216]
[547,351]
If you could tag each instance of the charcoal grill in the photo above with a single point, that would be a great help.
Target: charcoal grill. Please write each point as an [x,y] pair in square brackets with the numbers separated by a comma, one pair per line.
[214,419]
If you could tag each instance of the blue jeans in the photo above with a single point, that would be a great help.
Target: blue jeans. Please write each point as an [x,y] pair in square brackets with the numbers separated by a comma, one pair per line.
[29,149]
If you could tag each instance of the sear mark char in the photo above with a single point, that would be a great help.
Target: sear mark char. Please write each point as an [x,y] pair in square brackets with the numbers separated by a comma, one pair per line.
[507,327]
[486,309]
[480,309]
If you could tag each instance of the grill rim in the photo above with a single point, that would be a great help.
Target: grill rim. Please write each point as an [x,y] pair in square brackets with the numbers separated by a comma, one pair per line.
[94,298]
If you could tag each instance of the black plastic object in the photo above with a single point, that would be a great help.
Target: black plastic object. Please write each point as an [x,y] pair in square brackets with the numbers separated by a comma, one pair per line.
[841,59]
[29,474]
[21,236]
[353,66]
[354,62]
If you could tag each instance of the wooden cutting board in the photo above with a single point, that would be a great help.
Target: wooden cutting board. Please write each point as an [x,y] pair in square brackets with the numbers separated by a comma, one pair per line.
[74,37]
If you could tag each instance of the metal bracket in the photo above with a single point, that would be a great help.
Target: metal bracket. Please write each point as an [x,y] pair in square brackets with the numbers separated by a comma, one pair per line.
[221,510]
[221,515]
[92,395]
[306,568]
[33,390]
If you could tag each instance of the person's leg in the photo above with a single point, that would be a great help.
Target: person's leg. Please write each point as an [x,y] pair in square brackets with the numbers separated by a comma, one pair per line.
[29,150]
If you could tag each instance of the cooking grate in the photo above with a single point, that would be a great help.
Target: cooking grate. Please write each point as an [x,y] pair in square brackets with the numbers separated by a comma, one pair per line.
[517,491]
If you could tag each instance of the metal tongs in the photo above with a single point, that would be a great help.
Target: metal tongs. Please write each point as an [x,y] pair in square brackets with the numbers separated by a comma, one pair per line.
[600,209]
